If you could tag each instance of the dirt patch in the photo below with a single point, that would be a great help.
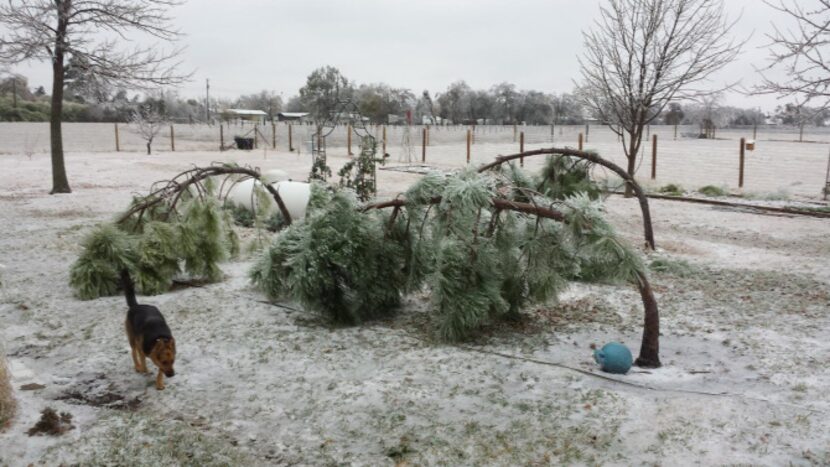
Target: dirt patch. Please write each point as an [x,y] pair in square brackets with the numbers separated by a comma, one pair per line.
[99,392]
[51,423]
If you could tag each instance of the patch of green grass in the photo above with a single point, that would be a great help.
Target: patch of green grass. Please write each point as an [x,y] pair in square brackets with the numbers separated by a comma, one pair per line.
[137,440]
[671,190]
[822,209]
[713,191]
[779,195]
[675,267]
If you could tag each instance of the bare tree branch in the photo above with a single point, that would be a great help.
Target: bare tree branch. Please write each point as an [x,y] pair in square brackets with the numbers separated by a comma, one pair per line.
[800,52]
[642,54]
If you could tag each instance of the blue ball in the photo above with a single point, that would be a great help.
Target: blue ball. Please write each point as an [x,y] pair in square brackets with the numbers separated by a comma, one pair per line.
[614,358]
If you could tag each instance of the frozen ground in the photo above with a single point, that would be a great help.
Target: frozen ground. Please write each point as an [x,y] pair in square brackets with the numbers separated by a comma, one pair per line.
[745,346]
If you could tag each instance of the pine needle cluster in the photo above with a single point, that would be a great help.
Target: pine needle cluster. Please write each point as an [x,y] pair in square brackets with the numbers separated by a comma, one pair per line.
[336,261]
[155,247]
[480,264]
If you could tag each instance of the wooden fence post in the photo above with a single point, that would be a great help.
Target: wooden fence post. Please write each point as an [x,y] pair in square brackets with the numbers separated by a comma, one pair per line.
[580,141]
[675,131]
[654,158]
[522,148]
[273,135]
[515,132]
[221,137]
[587,132]
[290,139]
[172,139]
[117,140]
[423,145]
[469,140]
[384,139]
[741,168]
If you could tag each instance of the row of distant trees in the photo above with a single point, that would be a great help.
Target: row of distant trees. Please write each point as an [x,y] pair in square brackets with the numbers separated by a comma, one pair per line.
[641,58]
[501,104]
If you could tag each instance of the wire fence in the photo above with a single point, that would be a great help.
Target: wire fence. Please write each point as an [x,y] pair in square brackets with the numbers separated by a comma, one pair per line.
[785,161]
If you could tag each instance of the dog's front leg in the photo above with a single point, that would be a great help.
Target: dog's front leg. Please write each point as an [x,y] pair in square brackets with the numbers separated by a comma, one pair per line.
[135,358]
[160,380]
[142,360]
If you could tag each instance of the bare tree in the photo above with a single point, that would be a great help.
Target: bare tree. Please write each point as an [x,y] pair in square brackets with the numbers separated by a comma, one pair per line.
[801,52]
[57,30]
[642,54]
[148,122]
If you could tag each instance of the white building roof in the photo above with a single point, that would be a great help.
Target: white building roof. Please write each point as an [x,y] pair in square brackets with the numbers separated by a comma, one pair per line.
[246,112]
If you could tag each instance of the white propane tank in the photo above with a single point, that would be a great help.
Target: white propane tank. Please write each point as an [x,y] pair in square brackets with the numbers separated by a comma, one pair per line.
[295,195]
[240,193]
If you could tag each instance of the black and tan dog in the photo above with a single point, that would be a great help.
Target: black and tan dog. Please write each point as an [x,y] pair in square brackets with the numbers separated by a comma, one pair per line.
[149,335]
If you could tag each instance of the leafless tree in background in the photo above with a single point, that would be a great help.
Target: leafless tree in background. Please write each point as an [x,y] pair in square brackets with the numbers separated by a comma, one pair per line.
[89,31]
[802,52]
[148,123]
[642,54]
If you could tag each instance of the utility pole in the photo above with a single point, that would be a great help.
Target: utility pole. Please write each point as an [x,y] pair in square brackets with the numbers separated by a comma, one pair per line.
[207,101]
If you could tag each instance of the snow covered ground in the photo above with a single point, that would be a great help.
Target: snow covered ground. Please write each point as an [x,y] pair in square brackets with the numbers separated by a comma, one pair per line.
[744,299]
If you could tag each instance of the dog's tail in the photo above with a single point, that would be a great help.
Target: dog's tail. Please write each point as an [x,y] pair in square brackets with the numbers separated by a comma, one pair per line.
[129,290]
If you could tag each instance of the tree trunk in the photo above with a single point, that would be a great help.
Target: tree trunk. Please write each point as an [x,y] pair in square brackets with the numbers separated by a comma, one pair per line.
[60,184]
[633,149]
[650,349]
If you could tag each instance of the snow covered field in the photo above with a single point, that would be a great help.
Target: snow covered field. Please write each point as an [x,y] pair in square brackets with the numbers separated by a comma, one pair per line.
[779,167]
[744,301]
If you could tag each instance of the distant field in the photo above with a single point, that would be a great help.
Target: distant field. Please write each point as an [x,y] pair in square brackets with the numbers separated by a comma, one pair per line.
[779,167]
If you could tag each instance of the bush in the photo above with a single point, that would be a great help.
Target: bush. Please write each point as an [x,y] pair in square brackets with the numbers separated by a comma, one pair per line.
[713,191]
[675,267]
[672,190]
[38,110]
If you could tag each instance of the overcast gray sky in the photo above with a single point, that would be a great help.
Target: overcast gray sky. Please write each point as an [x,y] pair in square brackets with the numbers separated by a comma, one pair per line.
[244,46]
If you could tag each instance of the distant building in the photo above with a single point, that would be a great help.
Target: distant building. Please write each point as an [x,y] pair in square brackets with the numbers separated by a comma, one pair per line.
[257,116]
[292,116]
